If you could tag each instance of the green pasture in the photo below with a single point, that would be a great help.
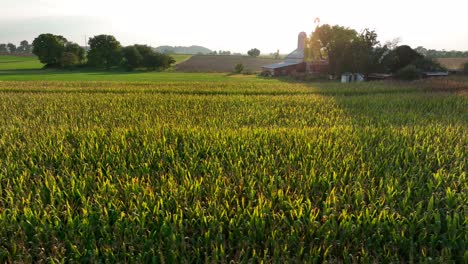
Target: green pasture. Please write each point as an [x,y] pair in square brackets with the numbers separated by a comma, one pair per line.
[10,63]
[29,69]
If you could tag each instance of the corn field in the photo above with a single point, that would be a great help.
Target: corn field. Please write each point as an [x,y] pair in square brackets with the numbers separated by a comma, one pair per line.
[258,172]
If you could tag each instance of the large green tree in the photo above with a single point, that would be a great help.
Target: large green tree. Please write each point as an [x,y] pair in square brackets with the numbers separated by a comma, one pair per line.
[366,53]
[49,48]
[104,51]
[404,56]
[333,43]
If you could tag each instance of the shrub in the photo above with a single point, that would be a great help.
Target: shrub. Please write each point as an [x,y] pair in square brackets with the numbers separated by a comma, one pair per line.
[408,73]
[239,68]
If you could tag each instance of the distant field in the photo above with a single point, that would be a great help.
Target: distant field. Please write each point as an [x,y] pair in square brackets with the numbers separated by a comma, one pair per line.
[452,63]
[211,63]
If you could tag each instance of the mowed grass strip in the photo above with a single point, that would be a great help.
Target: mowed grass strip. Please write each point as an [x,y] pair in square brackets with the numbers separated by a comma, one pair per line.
[246,172]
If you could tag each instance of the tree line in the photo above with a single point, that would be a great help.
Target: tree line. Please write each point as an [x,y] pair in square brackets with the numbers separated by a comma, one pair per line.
[10,48]
[105,51]
[432,53]
[252,53]
[347,50]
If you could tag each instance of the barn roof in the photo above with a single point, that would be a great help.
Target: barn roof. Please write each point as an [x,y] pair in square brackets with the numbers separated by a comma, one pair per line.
[435,74]
[281,65]
[294,58]
[297,55]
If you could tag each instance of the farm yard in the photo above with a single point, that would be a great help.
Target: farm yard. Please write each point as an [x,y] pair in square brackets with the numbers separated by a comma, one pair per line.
[175,167]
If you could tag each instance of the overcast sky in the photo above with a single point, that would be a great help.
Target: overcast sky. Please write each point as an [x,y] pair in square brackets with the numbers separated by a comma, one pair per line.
[234,25]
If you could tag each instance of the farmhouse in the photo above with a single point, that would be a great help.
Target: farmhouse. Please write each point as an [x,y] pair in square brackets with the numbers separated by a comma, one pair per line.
[295,62]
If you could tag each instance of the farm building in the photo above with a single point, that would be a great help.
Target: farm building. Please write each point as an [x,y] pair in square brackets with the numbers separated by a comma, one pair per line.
[295,62]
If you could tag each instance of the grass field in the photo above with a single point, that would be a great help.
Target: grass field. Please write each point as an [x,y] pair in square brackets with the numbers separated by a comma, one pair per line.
[29,69]
[11,63]
[28,63]
[241,169]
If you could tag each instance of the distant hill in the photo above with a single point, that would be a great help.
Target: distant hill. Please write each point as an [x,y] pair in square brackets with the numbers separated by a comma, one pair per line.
[193,50]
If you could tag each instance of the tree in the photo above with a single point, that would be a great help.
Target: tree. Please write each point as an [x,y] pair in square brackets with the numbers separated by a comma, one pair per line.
[11,47]
[333,43]
[24,47]
[131,58]
[104,51]
[154,61]
[253,52]
[393,44]
[421,50]
[277,55]
[144,50]
[3,48]
[49,48]
[77,50]
[404,56]
[364,53]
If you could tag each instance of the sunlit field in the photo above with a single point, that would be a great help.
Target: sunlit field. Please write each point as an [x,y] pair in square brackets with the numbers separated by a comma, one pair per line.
[244,170]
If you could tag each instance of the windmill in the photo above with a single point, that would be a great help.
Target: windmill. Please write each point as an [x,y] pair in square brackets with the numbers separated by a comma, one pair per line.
[317,22]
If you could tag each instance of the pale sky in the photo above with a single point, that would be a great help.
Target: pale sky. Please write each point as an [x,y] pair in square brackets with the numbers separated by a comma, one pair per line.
[234,25]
